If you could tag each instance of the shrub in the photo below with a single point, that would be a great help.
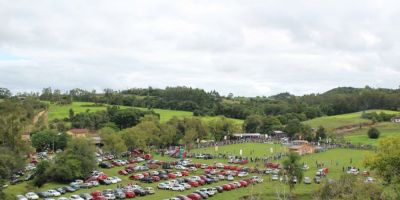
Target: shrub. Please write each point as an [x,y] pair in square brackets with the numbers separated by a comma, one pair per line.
[373,133]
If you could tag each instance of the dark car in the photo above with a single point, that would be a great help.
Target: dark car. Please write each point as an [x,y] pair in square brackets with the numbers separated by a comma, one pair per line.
[140,192]
[61,190]
[43,194]
[69,189]
[105,165]
[209,180]
[86,196]
[219,189]
[202,194]
[163,176]
[147,180]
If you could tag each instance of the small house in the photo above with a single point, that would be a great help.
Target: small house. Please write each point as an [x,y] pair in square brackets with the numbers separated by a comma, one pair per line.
[301,147]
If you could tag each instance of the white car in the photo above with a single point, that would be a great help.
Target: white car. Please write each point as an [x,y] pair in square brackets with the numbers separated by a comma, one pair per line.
[257,179]
[32,195]
[195,178]
[164,186]
[62,198]
[21,197]
[112,180]
[178,174]
[54,193]
[139,159]
[117,179]
[369,180]
[203,166]
[186,186]
[178,188]
[76,197]
[109,196]
[243,174]
[219,165]
[180,167]
[154,173]
[229,178]
[199,156]
[221,177]
[192,169]
[275,177]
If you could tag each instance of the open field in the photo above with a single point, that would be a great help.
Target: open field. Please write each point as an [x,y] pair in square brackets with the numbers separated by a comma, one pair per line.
[386,129]
[335,121]
[248,149]
[334,159]
[62,111]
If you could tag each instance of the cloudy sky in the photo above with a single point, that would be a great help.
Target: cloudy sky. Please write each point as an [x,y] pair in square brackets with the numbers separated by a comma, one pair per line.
[245,47]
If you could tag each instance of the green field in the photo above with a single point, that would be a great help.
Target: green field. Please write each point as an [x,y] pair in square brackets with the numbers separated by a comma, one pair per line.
[335,121]
[386,129]
[334,159]
[238,122]
[62,111]
[248,149]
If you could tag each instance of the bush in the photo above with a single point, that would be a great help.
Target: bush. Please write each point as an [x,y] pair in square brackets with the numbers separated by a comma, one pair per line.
[373,133]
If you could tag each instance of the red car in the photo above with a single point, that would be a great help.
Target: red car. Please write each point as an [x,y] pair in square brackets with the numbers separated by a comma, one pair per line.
[211,167]
[194,196]
[171,175]
[146,174]
[203,177]
[233,186]
[243,183]
[130,194]
[232,167]
[193,183]
[102,177]
[122,172]
[185,173]
[227,187]
[96,193]
[99,198]
[155,178]
[201,182]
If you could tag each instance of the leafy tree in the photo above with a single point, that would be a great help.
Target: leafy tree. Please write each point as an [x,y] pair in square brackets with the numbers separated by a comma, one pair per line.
[252,123]
[293,169]
[348,187]
[294,126]
[221,127]
[134,138]
[4,93]
[373,133]
[320,133]
[49,139]
[386,161]
[112,141]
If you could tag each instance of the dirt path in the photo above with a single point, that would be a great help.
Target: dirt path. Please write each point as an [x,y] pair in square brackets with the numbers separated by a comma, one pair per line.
[36,119]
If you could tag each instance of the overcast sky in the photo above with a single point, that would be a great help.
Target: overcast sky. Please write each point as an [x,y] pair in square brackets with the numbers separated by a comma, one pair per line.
[245,47]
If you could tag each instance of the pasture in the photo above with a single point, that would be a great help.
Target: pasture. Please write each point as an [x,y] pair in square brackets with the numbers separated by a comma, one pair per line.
[386,129]
[62,111]
[335,121]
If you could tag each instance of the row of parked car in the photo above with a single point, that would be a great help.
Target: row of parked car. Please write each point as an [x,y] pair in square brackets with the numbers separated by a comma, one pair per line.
[205,193]
[129,191]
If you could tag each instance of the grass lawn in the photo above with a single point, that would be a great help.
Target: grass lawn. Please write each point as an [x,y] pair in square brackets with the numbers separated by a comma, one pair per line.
[335,121]
[259,149]
[386,129]
[267,189]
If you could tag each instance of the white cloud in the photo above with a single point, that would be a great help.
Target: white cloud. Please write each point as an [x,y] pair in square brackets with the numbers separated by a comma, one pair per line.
[245,47]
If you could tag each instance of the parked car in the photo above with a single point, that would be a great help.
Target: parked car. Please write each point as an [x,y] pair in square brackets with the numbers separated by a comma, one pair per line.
[177,188]
[21,197]
[164,186]
[86,196]
[149,190]
[307,180]
[275,177]
[243,174]
[54,193]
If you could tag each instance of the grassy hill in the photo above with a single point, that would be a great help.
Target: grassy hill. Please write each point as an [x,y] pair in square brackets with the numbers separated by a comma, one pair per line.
[61,111]
[336,121]
[386,129]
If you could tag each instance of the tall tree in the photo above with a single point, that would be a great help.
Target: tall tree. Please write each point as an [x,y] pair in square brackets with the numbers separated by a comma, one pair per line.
[293,169]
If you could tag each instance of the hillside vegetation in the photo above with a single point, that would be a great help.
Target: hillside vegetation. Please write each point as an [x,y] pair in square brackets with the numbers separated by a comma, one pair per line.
[337,121]
[62,111]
